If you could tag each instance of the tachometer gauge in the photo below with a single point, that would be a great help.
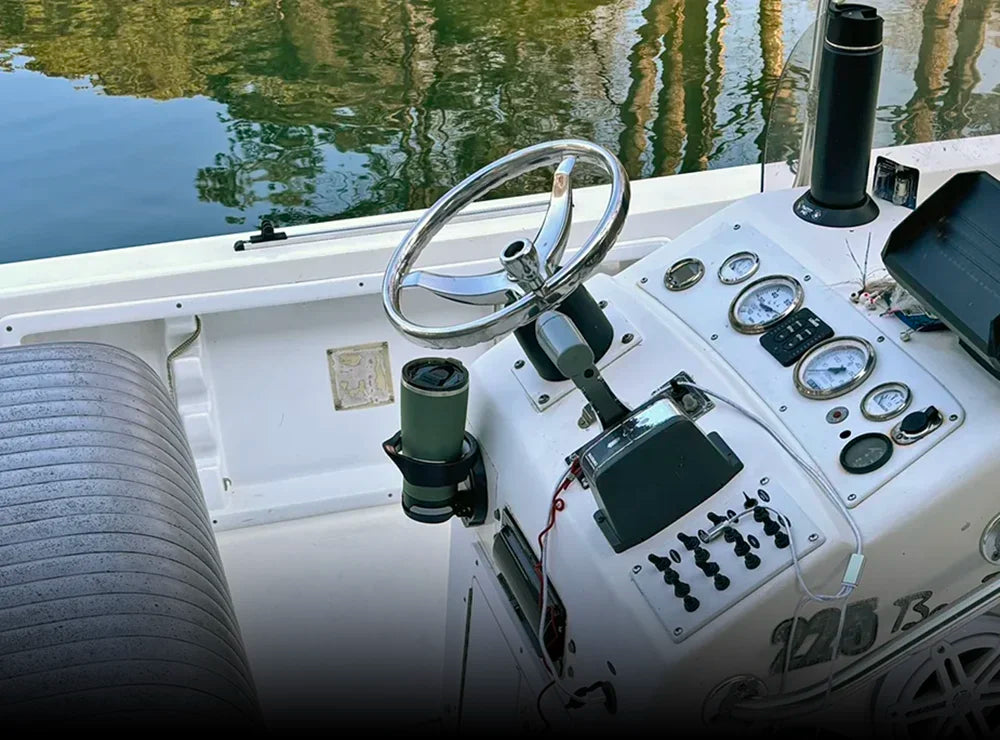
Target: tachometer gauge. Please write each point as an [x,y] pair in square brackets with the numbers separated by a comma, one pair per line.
[886,401]
[738,267]
[834,367]
[765,302]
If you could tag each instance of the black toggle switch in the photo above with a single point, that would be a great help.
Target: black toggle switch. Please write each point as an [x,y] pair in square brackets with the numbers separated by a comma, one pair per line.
[688,541]
[709,568]
[729,534]
[760,514]
[701,555]
[721,582]
[781,540]
[691,603]
[771,528]
[748,503]
[715,518]
[742,546]
[671,576]
[660,563]
[681,589]
[751,561]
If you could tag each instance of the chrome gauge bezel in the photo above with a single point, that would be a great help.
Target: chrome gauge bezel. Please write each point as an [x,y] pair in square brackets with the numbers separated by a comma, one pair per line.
[738,256]
[671,283]
[886,415]
[856,380]
[745,328]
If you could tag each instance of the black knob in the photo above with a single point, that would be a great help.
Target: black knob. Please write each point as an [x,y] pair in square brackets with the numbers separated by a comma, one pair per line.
[660,563]
[671,576]
[751,561]
[729,534]
[688,541]
[771,528]
[701,555]
[709,568]
[781,540]
[715,518]
[721,582]
[681,589]
[917,422]
[760,514]
[691,603]
[742,547]
[748,503]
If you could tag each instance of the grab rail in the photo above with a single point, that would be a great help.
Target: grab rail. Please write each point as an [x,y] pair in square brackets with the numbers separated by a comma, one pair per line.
[866,668]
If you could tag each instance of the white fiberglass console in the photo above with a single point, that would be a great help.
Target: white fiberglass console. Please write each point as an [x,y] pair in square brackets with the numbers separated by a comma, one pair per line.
[866,453]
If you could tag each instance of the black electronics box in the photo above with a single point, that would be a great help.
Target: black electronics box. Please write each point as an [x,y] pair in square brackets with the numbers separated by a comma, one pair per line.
[947,255]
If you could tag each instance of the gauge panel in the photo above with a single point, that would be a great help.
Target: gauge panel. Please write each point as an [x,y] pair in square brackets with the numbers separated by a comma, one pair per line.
[765,302]
[738,267]
[834,367]
[886,401]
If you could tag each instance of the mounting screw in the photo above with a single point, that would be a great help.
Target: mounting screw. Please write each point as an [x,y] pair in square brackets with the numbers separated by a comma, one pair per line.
[543,399]
[603,304]
[678,631]
[783,409]
[806,278]
[636,568]
[852,497]
[644,280]
[736,227]
[880,339]
[714,337]
[519,364]
[765,481]
[953,417]
[813,537]
[627,339]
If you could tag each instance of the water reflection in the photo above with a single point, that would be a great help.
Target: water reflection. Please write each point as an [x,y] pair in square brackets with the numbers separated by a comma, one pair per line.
[353,107]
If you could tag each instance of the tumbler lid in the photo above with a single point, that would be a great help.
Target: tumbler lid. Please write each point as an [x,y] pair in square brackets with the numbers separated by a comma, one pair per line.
[435,374]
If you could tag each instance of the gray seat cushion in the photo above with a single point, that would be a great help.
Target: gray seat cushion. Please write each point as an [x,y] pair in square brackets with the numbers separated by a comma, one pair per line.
[114,606]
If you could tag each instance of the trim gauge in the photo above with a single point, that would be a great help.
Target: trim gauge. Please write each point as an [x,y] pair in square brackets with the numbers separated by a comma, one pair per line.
[738,267]
[834,367]
[765,302]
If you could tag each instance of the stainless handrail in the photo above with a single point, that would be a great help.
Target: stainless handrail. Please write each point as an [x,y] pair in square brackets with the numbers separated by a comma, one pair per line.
[815,696]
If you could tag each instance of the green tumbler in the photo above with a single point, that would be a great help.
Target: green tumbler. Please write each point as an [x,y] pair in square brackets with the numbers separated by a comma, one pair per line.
[433,401]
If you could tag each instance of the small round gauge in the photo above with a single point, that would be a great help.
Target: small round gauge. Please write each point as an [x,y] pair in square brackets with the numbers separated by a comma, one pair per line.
[866,453]
[886,401]
[684,273]
[834,367]
[738,267]
[765,302]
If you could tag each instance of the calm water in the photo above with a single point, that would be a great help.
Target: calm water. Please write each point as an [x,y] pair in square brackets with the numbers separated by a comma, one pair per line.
[125,122]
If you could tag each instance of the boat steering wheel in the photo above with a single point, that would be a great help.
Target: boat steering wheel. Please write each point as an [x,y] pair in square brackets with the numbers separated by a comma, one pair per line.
[531,279]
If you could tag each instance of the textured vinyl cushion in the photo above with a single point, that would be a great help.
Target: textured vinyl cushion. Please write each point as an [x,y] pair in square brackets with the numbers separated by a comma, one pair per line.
[114,606]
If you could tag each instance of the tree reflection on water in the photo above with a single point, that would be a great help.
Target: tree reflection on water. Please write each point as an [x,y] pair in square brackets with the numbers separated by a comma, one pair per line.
[341,108]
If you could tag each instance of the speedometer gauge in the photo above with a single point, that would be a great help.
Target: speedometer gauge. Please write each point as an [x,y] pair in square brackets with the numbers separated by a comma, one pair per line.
[765,302]
[834,367]
[886,401]
[738,267]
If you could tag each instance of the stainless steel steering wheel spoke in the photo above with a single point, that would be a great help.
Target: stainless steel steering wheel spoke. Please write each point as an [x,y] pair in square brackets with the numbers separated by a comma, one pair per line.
[550,241]
[489,289]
